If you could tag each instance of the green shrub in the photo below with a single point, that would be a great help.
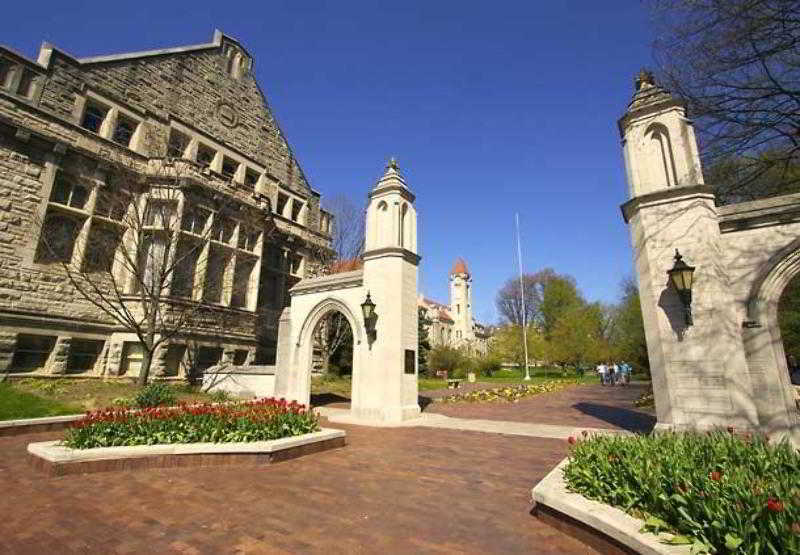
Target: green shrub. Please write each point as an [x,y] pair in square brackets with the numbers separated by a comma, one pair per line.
[487,365]
[720,491]
[155,395]
[443,357]
[246,421]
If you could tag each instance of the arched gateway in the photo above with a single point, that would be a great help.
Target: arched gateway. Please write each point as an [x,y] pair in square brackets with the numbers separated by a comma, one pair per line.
[725,366]
[384,357]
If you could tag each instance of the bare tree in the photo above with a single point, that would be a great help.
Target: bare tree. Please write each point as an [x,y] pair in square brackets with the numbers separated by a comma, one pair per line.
[161,254]
[347,245]
[737,65]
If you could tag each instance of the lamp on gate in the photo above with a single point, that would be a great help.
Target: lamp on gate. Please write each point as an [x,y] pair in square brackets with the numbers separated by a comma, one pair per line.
[681,275]
[368,311]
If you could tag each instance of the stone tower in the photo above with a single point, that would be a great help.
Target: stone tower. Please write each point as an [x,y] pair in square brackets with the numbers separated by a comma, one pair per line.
[699,371]
[461,301]
[390,276]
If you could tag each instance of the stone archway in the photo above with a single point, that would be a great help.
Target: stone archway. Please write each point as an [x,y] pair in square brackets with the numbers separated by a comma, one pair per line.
[304,348]
[384,382]
[727,366]
[763,344]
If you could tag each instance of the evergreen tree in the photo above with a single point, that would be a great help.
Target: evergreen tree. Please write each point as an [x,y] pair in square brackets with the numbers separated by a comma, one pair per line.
[423,322]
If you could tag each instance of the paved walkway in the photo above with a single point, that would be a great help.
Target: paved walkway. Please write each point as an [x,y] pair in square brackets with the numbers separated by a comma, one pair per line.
[338,415]
[583,406]
[403,490]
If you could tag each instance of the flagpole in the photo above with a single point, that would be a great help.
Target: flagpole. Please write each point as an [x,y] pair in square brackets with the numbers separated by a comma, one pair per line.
[522,297]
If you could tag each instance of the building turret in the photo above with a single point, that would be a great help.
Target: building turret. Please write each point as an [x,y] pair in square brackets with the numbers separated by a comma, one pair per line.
[461,301]
[658,139]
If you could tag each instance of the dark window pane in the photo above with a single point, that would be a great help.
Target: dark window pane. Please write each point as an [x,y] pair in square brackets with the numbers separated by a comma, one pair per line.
[5,69]
[79,196]
[177,144]
[124,131]
[32,351]
[229,167]
[83,354]
[61,190]
[250,178]
[25,87]
[102,248]
[93,117]
[58,239]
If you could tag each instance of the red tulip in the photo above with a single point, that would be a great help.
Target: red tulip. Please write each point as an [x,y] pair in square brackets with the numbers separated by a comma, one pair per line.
[715,476]
[774,505]
[571,440]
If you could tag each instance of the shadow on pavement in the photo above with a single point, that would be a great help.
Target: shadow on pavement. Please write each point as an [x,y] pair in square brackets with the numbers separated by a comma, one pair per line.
[630,420]
[323,399]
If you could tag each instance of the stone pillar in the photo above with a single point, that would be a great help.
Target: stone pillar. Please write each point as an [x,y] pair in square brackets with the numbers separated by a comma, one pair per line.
[114,358]
[158,366]
[59,357]
[699,371]
[386,388]
[8,342]
[283,359]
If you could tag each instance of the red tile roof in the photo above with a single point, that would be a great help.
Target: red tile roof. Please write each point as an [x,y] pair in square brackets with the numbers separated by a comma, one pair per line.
[460,267]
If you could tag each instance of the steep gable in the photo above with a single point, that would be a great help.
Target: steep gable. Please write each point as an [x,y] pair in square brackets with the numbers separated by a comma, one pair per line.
[209,87]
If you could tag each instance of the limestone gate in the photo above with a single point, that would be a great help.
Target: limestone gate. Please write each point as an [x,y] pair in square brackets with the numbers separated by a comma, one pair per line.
[727,366]
[385,357]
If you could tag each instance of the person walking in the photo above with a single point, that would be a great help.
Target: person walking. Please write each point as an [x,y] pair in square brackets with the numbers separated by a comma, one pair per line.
[601,373]
[614,374]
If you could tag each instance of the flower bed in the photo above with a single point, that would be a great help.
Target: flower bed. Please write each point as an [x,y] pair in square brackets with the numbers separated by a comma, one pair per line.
[721,492]
[245,421]
[511,393]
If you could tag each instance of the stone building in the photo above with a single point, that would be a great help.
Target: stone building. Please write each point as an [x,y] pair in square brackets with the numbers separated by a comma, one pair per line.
[79,133]
[453,324]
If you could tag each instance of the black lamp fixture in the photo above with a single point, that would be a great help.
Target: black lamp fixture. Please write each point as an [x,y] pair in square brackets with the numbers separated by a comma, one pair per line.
[682,275]
[368,311]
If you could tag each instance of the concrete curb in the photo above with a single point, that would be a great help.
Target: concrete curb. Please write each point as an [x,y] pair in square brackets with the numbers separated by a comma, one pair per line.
[605,520]
[29,425]
[55,459]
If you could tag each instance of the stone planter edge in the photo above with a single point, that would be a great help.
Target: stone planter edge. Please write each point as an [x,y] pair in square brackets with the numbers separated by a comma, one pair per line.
[552,493]
[54,453]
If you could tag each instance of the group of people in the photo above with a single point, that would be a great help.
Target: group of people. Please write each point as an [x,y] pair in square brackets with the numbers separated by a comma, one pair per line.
[614,374]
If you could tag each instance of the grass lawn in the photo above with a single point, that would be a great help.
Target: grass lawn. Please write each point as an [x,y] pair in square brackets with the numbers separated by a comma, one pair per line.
[342,386]
[80,395]
[20,404]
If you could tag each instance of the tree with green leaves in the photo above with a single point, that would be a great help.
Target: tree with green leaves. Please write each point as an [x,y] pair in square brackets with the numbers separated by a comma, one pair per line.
[424,345]
[627,339]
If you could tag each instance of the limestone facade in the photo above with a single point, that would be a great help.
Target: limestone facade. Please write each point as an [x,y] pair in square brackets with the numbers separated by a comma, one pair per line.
[76,131]
[453,324]
[727,367]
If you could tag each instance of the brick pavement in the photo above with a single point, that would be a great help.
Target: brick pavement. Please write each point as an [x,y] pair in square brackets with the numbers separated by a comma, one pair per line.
[390,490]
[593,406]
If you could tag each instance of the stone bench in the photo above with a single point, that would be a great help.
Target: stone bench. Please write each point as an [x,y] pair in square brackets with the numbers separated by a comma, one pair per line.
[453,383]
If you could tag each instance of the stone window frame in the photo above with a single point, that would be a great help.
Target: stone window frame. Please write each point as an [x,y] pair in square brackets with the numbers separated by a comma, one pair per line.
[245,169]
[205,243]
[85,215]
[16,70]
[264,184]
[288,208]
[115,114]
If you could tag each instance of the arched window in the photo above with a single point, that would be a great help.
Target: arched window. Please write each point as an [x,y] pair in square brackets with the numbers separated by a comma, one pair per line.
[402,239]
[660,155]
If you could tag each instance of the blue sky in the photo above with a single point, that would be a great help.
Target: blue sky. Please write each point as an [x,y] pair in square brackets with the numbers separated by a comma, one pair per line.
[491,108]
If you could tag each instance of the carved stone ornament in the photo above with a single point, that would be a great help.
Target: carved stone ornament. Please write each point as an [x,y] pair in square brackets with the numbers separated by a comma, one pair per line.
[227,115]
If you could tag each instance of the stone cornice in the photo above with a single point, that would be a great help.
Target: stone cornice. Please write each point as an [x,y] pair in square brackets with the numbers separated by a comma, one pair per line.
[343,280]
[393,251]
[759,213]
[630,208]
[405,193]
